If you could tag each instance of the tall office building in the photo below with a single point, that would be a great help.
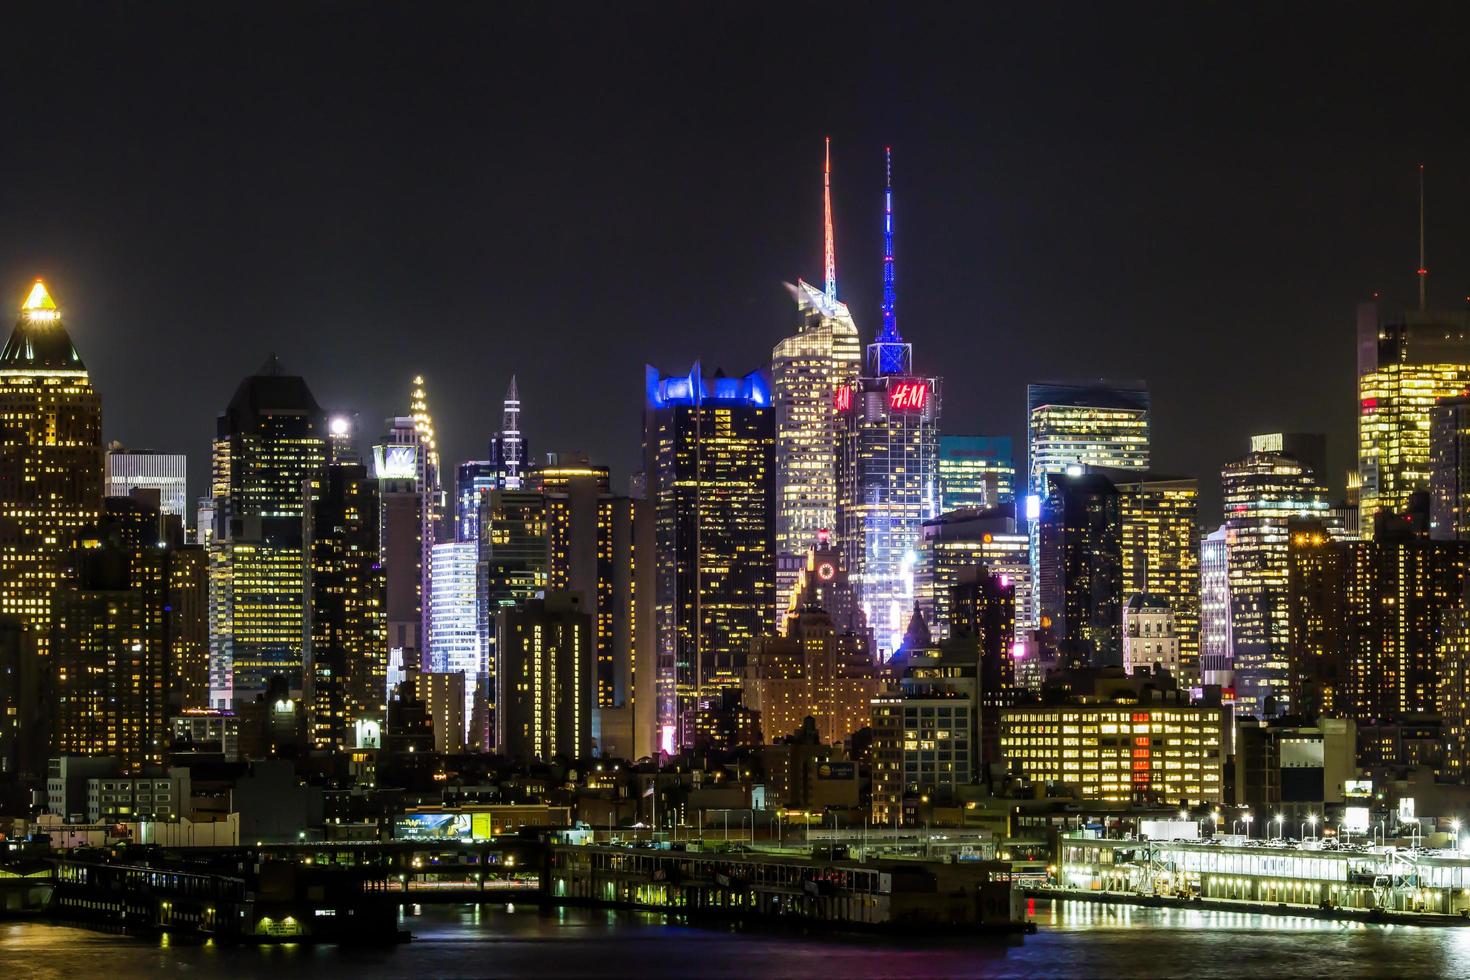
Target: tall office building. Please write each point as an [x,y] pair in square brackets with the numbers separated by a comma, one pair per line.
[1079,584]
[887,470]
[346,618]
[964,539]
[508,453]
[1091,425]
[110,640]
[188,626]
[1449,470]
[807,370]
[1263,492]
[543,689]
[1161,554]
[1454,691]
[708,446]
[1072,427]
[269,456]
[510,569]
[1407,361]
[1397,591]
[1216,644]
[1369,620]
[475,478]
[456,645]
[130,469]
[24,725]
[976,472]
[342,439]
[1316,582]
[405,529]
[590,539]
[50,460]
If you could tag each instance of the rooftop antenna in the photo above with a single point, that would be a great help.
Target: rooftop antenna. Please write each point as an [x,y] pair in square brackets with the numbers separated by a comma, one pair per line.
[830,289]
[1423,268]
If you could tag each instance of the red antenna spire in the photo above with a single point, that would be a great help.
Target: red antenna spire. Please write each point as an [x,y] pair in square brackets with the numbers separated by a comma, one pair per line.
[1423,266]
[830,288]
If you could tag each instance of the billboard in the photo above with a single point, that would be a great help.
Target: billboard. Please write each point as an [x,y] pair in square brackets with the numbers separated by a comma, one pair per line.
[432,826]
[837,770]
[1355,819]
[395,462]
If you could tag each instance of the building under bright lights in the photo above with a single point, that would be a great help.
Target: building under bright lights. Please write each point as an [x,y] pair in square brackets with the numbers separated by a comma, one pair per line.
[887,470]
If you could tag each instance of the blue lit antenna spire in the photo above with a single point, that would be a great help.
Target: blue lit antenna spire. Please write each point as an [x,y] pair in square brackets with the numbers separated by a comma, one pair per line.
[888,354]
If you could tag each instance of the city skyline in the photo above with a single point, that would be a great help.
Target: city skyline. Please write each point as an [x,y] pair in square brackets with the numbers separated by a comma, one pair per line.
[352,280]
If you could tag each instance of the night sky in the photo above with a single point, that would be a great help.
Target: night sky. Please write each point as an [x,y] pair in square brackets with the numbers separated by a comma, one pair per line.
[570,191]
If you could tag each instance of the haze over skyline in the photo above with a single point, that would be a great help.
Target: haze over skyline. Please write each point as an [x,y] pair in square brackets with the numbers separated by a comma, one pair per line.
[202,187]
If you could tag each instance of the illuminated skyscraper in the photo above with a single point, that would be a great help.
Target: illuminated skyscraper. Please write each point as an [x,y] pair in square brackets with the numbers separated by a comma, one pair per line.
[964,539]
[1216,644]
[708,448]
[130,469]
[1406,362]
[50,460]
[475,478]
[109,640]
[1092,425]
[269,457]
[508,449]
[511,569]
[1079,584]
[975,472]
[591,553]
[407,491]
[1449,470]
[457,644]
[887,471]
[1263,492]
[543,690]
[1161,554]
[807,370]
[347,627]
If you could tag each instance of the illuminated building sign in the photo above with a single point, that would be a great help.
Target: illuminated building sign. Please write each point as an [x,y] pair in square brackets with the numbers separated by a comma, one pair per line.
[908,395]
[433,826]
[396,462]
[842,398]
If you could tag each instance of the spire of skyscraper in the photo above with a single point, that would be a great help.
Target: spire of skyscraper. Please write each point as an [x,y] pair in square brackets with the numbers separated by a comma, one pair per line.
[830,289]
[508,449]
[890,320]
[1423,267]
[423,422]
[888,354]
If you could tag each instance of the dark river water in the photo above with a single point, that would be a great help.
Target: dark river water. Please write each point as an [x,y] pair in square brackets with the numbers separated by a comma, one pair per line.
[1075,940]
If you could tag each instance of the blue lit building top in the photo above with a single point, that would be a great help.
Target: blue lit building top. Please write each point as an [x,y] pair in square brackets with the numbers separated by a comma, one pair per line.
[694,389]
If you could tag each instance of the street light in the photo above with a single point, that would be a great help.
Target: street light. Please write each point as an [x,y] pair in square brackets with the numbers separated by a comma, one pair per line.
[1311,819]
[1248,817]
[1280,829]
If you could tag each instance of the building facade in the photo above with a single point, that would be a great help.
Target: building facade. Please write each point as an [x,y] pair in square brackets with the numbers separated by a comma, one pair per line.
[543,679]
[964,539]
[976,472]
[50,460]
[144,469]
[1123,753]
[1263,492]
[269,456]
[1407,361]
[709,446]
[347,614]
[807,370]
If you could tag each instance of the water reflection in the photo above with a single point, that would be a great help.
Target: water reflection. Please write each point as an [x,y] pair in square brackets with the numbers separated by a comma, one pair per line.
[1075,939]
